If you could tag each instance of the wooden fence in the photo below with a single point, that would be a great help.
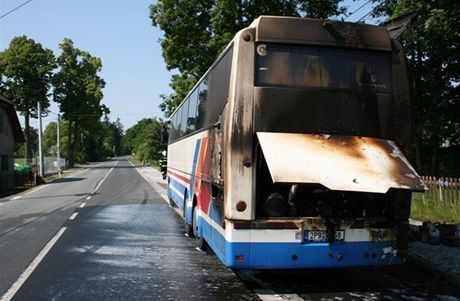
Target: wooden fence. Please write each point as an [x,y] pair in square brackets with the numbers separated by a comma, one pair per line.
[443,190]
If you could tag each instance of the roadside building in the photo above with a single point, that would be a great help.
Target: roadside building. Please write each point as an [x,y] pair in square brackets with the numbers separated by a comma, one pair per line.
[10,133]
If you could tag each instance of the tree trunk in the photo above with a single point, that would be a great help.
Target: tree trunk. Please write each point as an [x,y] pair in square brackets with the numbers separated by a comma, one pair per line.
[28,148]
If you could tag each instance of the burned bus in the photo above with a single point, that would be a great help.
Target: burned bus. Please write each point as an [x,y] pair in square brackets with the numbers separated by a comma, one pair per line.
[288,152]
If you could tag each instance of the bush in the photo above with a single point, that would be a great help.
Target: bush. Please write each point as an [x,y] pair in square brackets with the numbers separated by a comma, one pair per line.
[22,169]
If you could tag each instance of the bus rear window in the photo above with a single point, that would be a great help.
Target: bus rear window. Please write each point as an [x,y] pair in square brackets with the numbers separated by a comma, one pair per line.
[306,66]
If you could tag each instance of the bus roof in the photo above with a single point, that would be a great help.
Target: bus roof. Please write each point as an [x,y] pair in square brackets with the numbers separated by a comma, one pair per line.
[294,30]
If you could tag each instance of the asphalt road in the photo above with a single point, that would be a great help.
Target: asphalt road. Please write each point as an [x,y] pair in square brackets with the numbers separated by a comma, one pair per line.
[126,243]
[30,221]
[119,240]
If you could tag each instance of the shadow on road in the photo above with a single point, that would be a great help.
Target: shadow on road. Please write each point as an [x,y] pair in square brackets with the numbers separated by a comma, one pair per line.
[68,179]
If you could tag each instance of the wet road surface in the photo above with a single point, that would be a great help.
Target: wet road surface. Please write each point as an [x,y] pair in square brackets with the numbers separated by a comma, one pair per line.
[29,221]
[407,282]
[121,241]
[126,243]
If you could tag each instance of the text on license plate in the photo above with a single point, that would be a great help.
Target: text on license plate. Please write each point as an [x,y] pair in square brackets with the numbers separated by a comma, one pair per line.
[321,235]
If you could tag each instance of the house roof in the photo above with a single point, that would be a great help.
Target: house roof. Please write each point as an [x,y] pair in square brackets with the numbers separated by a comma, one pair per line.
[13,117]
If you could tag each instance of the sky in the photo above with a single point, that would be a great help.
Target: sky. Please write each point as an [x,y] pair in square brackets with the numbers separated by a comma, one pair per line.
[117,31]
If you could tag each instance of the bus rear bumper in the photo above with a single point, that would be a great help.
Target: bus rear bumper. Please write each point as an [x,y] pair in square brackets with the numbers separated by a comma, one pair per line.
[310,255]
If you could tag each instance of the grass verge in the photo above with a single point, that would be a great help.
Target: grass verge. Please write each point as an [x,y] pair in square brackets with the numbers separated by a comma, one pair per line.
[425,209]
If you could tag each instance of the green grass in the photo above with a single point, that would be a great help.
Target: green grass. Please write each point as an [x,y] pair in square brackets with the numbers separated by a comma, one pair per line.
[425,209]
[152,163]
[19,160]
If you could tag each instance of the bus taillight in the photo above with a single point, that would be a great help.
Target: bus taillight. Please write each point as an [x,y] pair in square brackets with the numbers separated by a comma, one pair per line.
[239,258]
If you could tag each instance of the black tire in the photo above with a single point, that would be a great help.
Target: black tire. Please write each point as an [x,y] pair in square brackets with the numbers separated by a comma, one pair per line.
[201,243]
[188,227]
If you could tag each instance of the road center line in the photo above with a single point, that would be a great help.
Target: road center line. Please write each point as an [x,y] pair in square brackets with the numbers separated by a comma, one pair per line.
[88,197]
[73,216]
[100,183]
[82,204]
[29,270]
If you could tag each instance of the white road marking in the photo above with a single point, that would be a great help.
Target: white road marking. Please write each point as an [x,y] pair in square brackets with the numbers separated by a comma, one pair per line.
[88,197]
[16,197]
[28,271]
[82,205]
[100,183]
[33,265]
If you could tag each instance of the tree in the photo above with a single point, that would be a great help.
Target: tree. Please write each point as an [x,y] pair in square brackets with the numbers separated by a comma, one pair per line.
[50,138]
[78,91]
[25,77]
[196,31]
[145,139]
[20,148]
[432,45]
[113,136]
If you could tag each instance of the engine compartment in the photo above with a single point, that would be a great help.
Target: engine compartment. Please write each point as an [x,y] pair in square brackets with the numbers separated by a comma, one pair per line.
[277,200]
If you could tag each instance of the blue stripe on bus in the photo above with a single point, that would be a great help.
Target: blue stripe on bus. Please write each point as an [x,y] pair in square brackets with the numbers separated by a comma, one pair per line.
[296,255]
[321,255]
[178,198]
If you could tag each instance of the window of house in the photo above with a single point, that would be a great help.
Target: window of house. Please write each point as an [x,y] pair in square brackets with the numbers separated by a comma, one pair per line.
[4,163]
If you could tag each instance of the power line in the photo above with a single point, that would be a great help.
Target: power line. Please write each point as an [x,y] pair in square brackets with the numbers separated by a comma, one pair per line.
[15,9]
[366,15]
[359,8]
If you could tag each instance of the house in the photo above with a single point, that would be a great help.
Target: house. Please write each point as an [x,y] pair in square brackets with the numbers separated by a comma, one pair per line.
[10,133]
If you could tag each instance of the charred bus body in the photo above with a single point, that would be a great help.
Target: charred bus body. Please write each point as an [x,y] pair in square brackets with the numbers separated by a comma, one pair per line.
[293,157]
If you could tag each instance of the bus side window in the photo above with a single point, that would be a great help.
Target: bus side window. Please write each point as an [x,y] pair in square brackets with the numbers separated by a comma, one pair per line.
[179,121]
[192,111]
[183,123]
[202,103]
[172,128]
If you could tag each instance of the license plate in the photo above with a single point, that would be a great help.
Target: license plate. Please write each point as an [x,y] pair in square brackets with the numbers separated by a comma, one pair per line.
[321,235]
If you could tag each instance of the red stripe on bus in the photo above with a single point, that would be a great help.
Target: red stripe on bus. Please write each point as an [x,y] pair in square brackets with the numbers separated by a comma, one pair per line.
[186,180]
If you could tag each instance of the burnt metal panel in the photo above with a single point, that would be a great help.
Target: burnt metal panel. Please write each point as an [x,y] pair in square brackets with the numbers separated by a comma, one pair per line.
[238,129]
[321,32]
[320,111]
[345,163]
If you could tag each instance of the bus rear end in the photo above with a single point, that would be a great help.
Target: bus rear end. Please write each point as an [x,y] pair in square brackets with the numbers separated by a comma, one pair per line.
[314,171]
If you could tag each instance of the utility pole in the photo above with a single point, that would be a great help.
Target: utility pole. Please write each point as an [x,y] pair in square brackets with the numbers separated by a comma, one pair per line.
[40,149]
[59,143]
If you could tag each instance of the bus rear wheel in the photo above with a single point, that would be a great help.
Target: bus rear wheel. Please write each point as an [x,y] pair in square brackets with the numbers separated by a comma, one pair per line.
[188,226]
[201,243]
